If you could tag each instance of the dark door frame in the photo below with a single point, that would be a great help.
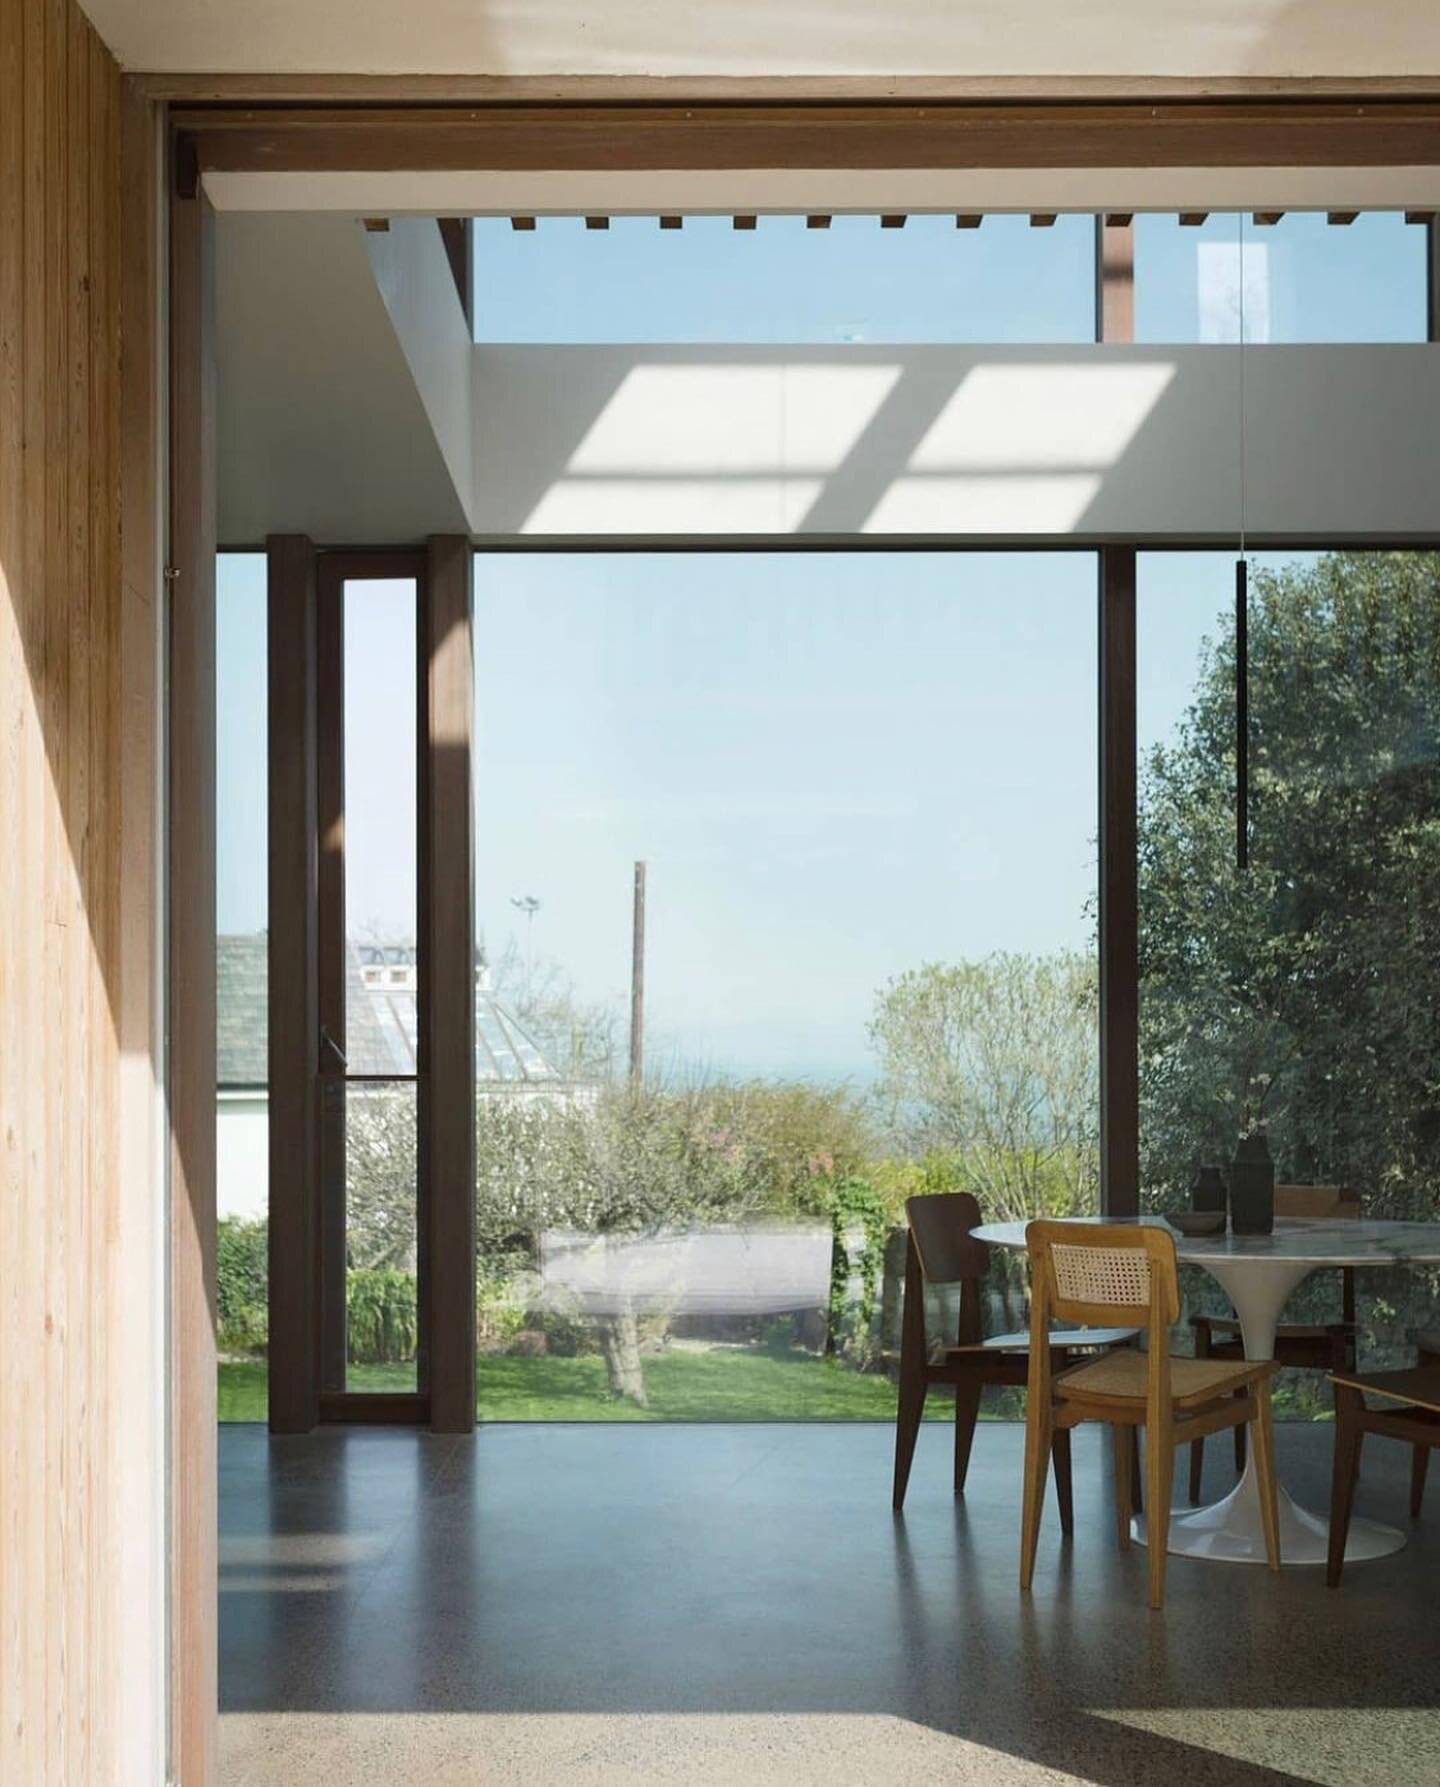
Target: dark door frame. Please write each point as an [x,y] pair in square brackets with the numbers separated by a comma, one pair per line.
[310,1075]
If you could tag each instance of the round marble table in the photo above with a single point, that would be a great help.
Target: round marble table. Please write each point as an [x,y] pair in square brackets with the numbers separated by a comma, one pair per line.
[1259,1272]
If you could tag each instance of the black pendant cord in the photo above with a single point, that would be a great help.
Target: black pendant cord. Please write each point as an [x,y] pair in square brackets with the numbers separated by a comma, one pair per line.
[1242,714]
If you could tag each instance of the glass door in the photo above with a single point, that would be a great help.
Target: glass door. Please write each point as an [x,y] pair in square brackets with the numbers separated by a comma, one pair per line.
[372,1082]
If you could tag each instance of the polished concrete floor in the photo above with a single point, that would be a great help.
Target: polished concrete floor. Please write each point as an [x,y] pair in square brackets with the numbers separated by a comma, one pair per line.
[596,1604]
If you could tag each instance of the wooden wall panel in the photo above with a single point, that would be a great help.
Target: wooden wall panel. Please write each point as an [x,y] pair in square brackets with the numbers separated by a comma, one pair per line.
[79,1656]
[190,937]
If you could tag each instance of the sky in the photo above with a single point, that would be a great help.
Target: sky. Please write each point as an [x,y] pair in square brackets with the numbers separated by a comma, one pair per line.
[836,767]
[1303,279]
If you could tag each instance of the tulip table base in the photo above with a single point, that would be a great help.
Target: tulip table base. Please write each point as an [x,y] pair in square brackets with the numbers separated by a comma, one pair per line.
[1230,1530]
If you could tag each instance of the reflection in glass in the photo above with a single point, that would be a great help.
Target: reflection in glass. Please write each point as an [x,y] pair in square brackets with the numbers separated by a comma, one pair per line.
[1301,279]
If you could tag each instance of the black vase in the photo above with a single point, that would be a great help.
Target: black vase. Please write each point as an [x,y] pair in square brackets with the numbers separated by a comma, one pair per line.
[1252,1187]
[1208,1190]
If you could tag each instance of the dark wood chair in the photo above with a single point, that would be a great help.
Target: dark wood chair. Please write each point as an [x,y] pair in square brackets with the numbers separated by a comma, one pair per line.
[1409,1411]
[1427,1345]
[1323,1346]
[942,1251]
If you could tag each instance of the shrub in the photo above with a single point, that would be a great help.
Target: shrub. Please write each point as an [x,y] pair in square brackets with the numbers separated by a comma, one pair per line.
[242,1277]
[381,1320]
[854,1202]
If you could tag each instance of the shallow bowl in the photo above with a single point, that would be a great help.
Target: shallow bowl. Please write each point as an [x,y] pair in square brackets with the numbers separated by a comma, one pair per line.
[1197,1222]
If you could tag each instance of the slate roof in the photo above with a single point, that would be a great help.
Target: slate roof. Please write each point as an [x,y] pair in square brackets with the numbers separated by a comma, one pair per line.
[242,1029]
[381,1024]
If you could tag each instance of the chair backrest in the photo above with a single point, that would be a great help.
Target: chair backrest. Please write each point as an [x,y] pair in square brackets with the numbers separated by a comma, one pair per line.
[1104,1275]
[1334,1201]
[940,1225]
[1327,1202]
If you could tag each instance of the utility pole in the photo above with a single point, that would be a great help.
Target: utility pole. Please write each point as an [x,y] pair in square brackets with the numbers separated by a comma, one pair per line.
[637,981]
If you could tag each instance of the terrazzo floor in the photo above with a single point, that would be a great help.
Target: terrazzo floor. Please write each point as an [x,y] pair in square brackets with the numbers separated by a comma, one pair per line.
[731,1604]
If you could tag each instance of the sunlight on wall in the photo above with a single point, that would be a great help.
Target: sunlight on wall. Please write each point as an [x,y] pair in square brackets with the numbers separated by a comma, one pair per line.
[746,447]
[641,505]
[713,449]
[1020,448]
[732,418]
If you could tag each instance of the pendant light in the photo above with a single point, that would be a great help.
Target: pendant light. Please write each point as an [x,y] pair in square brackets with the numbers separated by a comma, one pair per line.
[1242,620]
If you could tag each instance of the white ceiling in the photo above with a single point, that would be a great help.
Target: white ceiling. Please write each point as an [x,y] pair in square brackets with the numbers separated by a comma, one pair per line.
[1194,38]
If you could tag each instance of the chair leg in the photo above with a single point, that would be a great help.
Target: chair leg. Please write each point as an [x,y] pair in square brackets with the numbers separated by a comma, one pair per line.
[1419,1465]
[1037,1460]
[1265,1472]
[1123,1439]
[1159,1481]
[907,1429]
[1137,1498]
[1197,1466]
[1348,1437]
[1064,1491]
[967,1412]
[1240,1447]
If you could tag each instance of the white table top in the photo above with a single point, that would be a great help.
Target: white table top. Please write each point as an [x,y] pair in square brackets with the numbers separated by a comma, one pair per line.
[1321,1241]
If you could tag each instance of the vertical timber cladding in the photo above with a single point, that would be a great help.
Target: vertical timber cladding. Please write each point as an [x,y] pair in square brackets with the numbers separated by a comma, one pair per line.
[191,1064]
[79,1634]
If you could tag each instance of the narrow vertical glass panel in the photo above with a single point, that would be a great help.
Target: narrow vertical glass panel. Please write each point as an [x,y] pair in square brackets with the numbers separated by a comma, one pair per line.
[382,1014]
[863,787]
[1298,995]
[1301,279]
[381,801]
[241,844]
[381,1235]
[782,282]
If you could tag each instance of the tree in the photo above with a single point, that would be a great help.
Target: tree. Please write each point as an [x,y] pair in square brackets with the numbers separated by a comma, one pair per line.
[994,1062]
[382,1164]
[1303,990]
[629,1161]
[580,1038]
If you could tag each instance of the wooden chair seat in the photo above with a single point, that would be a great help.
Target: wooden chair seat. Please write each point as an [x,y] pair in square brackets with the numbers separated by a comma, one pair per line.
[1063,1340]
[1194,1383]
[1406,1408]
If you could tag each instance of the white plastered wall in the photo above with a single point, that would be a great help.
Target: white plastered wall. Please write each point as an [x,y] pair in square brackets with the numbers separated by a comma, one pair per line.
[1076,442]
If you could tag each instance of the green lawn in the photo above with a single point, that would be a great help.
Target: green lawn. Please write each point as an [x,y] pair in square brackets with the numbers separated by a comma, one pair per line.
[720,1385]
[242,1386]
[724,1384]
